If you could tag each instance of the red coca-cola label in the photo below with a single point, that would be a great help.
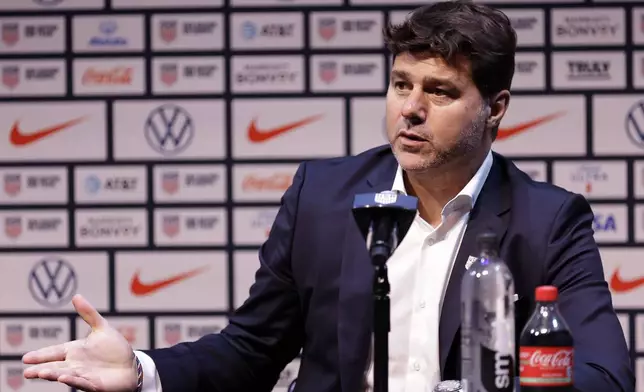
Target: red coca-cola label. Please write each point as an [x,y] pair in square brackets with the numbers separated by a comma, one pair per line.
[545,366]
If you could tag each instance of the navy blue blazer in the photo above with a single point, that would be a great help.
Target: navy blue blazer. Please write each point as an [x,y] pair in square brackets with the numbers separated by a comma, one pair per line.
[313,287]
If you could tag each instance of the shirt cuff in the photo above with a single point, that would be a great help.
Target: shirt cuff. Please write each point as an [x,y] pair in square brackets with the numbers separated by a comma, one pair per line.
[151,380]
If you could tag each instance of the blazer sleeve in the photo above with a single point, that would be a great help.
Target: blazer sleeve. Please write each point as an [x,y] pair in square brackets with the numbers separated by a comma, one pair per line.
[601,357]
[263,335]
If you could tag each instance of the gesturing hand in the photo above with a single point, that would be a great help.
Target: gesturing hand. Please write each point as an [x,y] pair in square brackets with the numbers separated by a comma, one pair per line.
[101,362]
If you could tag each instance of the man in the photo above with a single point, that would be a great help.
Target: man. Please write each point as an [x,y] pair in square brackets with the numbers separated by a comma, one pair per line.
[453,67]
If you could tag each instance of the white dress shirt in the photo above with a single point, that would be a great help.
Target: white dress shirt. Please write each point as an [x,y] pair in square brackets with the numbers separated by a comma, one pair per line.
[419,271]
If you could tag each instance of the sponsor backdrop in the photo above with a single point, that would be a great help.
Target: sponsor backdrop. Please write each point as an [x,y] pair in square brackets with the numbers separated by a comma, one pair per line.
[144,146]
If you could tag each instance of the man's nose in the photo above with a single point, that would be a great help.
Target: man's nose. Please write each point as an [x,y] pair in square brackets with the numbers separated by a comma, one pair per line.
[414,109]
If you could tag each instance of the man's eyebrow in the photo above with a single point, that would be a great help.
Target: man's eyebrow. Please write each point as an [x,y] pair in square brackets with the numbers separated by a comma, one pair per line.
[427,80]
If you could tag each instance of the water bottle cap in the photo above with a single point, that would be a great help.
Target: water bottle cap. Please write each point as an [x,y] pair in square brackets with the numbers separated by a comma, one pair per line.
[487,241]
[546,294]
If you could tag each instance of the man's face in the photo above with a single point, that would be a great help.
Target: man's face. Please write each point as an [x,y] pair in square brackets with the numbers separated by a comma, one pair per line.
[435,113]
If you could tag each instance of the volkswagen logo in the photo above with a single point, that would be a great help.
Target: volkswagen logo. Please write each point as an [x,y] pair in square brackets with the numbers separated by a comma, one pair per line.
[92,184]
[52,282]
[249,30]
[635,124]
[169,129]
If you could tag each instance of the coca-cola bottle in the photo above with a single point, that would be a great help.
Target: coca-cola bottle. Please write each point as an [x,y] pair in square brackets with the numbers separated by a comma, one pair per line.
[546,347]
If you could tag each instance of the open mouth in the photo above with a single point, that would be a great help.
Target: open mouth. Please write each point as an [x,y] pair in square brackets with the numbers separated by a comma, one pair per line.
[412,136]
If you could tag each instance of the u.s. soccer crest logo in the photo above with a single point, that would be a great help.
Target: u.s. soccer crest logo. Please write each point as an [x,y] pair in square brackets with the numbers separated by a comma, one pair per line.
[328,71]
[172,333]
[170,182]
[14,335]
[171,225]
[169,74]
[10,33]
[11,76]
[12,184]
[168,30]
[13,226]
[386,197]
[327,28]
[14,377]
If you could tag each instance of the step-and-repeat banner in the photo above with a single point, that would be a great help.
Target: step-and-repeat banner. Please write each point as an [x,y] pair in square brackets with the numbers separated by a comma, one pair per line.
[144,146]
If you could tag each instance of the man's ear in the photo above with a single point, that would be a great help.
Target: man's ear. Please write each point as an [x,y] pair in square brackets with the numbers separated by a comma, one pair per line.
[498,107]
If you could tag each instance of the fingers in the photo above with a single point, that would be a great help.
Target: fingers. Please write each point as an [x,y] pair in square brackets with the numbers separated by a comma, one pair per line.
[88,313]
[47,354]
[59,371]
[77,382]
[45,371]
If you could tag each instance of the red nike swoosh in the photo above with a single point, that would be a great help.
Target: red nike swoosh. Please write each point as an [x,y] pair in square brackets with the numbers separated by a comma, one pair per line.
[18,138]
[619,285]
[506,133]
[257,135]
[139,288]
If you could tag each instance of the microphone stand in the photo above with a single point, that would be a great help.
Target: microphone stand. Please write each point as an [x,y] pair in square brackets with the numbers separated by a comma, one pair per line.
[384,240]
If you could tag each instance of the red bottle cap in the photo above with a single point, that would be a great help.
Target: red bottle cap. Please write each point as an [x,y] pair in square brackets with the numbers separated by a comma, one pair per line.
[546,294]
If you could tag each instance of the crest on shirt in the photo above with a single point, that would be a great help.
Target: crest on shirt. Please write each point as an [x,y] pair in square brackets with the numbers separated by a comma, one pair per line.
[470,261]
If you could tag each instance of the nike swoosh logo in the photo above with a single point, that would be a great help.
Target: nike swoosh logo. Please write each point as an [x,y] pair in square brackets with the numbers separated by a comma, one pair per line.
[139,288]
[619,285]
[18,138]
[257,135]
[506,133]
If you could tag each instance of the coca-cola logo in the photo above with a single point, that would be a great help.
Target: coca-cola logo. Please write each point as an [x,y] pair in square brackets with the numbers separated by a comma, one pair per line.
[559,359]
[117,75]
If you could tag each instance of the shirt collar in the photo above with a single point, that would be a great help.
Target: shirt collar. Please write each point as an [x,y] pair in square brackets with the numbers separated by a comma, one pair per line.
[467,197]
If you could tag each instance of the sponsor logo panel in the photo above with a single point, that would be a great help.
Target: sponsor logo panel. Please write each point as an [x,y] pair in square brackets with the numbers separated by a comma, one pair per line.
[270,129]
[638,25]
[12,380]
[277,3]
[359,73]
[529,24]
[46,282]
[263,31]
[171,281]
[135,329]
[589,70]
[267,74]
[19,335]
[29,185]
[172,330]
[167,130]
[588,26]
[116,4]
[110,184]
[638,66]
[253,224]
[638,179]
[624,322]
[246,265]
[190,226]
[188,75]
[351,29]
[34,229]
[33,77]
[624,273]
[639,223]
[261,183]
[537,170]
[618,127]
[111,227]
[52,131]
[367,130]
[610,223]
[27,35]
[123,76]
[543,125]
[181,32]
[123,33]
[51,5]
[189,183]
[593,179]
[529,72]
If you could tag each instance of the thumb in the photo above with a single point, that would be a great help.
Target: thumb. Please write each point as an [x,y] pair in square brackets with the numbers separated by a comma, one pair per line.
[88,313]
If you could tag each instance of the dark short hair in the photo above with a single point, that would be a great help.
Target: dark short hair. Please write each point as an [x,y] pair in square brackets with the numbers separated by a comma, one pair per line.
[454,29]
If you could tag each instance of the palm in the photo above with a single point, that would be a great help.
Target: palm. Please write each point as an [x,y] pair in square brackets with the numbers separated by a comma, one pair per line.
[103,361]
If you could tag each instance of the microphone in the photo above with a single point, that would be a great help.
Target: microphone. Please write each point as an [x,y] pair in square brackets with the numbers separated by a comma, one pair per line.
[384,219]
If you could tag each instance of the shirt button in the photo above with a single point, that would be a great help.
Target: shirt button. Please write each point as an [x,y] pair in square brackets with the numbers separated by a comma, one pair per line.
[422,304]
[416,366]
[431,241]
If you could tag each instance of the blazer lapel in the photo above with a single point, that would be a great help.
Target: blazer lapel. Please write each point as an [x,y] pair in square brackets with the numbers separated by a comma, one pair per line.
[355,313]
[488,214]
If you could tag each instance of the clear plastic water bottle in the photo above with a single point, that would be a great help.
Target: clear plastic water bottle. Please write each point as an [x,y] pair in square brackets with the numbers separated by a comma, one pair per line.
[487,322]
